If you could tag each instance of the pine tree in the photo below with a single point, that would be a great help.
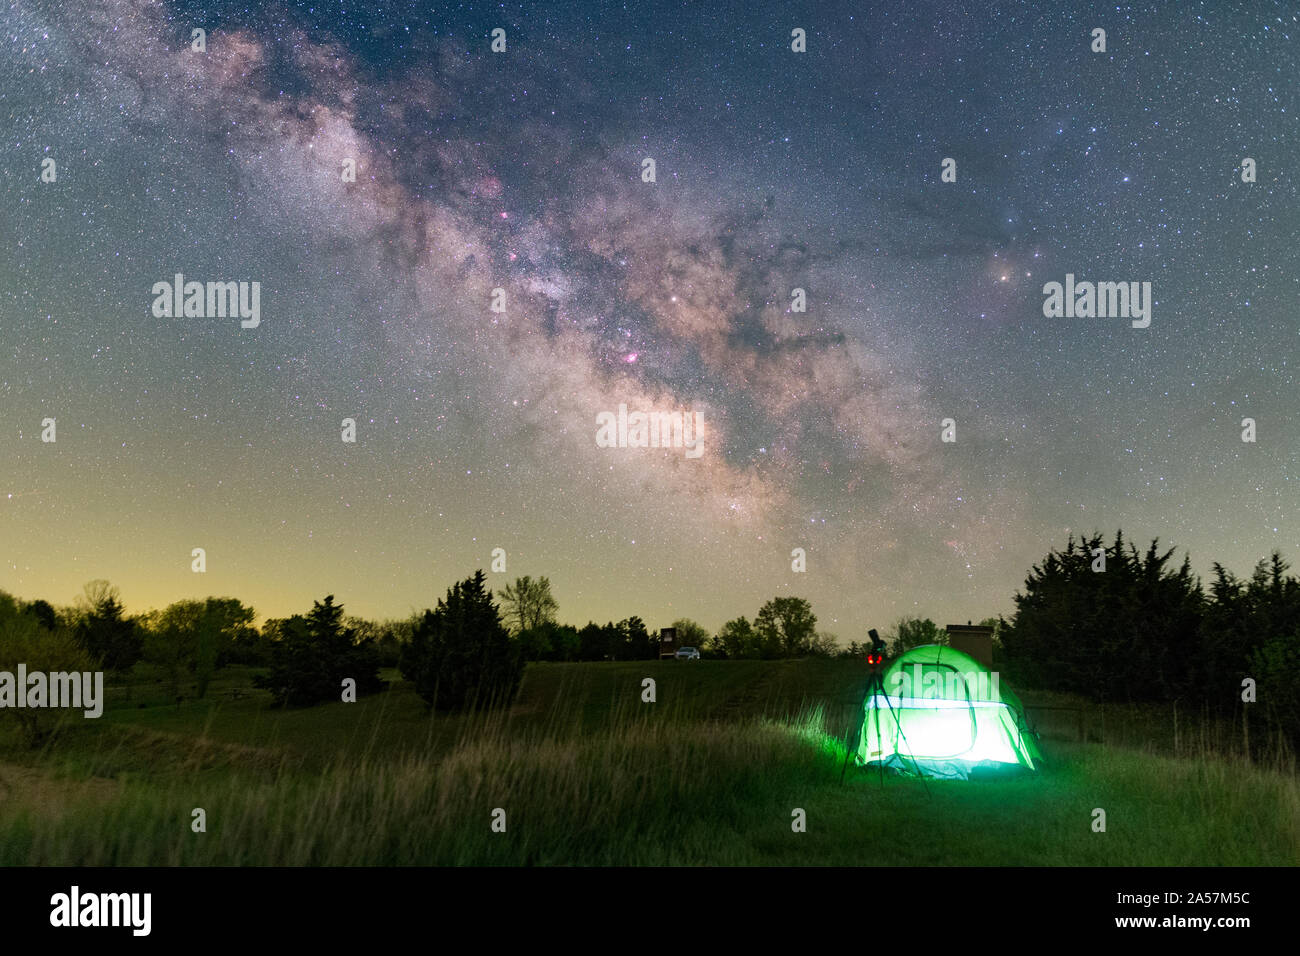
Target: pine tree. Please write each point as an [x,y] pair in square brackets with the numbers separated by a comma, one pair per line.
[315,654]
[460,654]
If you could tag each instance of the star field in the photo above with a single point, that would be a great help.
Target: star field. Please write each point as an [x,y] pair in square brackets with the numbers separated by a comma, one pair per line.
[522,171]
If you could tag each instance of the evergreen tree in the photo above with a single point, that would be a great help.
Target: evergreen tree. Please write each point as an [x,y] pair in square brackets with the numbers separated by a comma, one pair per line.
[108,636]
[460,654]
[1108,622]
[1251,629]
[315,654]
[599,642]
[633,641]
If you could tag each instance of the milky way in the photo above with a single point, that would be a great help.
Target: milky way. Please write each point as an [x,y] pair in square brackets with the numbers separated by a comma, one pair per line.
[521,171]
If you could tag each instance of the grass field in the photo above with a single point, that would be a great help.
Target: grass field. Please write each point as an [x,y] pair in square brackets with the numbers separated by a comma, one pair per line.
[589,774]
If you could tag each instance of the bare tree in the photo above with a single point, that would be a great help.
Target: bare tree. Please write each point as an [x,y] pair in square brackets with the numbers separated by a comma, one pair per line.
[528,604]
[95,594]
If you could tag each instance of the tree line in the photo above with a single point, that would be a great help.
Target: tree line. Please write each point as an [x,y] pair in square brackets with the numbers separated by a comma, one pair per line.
[469,650]
[1111,622]
[1106,621]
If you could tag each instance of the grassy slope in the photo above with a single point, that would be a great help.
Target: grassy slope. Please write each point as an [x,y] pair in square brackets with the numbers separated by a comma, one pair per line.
[589,774]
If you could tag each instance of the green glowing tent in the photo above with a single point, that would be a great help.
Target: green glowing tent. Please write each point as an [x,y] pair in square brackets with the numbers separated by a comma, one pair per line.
[941,713]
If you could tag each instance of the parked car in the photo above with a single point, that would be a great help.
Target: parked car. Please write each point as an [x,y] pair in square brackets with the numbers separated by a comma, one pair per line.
[687,654]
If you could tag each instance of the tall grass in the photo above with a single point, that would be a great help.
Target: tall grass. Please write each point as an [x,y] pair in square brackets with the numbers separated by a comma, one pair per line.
[1162,728]
[650,788]
[642,791]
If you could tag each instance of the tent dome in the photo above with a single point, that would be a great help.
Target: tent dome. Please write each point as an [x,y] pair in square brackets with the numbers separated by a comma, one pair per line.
[941,713]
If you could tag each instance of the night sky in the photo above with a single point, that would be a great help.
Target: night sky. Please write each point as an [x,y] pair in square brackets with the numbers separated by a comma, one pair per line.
[522,170]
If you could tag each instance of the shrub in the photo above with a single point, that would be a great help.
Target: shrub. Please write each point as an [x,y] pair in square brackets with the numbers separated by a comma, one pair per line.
[24,639]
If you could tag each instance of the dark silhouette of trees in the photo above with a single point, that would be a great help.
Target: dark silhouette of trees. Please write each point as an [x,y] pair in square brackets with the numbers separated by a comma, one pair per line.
[594,642]
[44,613]
[1108,622]
[628,640]
[1143,629]
[104,631]
[824,644]
[392,636]
[736,640]
[171,639]
[1251,629]
[691,634]
[912,632]
[313,655]
[549,642]
[236,640]
[387,636]
[25,639]
[528,604]
[786,627]
[460,654]
[1276,664]
[632,641]
[190,640]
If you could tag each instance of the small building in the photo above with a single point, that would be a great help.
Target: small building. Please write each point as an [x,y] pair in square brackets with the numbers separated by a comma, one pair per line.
[667,642]
[973,639]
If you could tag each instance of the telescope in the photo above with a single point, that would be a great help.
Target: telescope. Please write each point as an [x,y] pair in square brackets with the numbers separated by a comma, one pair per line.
[877,653]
